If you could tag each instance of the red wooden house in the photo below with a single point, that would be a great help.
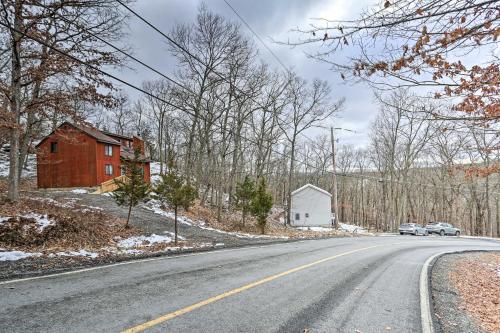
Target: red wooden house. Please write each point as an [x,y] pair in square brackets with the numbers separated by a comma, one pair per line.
[82,156]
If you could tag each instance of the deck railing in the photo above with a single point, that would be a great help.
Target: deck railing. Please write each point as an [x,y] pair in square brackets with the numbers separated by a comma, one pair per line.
[110,185]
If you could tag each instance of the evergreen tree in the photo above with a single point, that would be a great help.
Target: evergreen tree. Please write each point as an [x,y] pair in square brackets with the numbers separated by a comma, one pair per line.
[261,204]
[133,189]
[245,192]
[176,192]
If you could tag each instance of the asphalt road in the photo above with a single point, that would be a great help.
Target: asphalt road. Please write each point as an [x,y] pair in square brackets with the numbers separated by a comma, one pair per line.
[366,284]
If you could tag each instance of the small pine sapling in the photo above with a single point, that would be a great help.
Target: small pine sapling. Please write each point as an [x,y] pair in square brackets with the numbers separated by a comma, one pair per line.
[173,190]
[134,189]
[261,204]
[245,192]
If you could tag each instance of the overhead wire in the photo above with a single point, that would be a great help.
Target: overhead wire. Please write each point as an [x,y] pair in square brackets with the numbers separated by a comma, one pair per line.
[183,110]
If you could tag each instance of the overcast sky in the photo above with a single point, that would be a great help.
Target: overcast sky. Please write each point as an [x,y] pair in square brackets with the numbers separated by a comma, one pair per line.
[269,19]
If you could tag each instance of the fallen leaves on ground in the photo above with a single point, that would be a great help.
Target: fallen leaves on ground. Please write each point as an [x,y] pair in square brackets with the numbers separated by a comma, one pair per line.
[76,226]
[478,283]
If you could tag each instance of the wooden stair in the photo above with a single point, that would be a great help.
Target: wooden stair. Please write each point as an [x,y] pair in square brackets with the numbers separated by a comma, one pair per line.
[110,185]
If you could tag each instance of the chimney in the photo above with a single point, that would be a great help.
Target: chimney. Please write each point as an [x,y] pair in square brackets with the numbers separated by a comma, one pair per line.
[138,143]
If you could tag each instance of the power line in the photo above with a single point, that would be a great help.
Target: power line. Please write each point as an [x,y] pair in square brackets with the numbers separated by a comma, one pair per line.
[257,36]
[183,110]
[128,55]
[186,51]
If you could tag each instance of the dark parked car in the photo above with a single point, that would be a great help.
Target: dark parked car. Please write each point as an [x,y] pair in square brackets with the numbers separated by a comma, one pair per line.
[442,229]
[412,229]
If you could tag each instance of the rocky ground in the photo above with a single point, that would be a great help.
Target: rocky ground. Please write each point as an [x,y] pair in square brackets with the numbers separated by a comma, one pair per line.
[466,292]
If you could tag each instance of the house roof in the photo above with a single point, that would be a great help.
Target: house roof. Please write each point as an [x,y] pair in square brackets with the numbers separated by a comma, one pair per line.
[118,135]
[93,132]
[128,154]
[311,186]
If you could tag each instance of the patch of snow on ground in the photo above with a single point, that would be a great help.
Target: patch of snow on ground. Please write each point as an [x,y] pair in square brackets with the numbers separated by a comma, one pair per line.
[155,171]
[16,255]
[80,253]
[79,191]
[138,241]
[351,228]
[42,221]
[318,229]
[4,218]
[29,170]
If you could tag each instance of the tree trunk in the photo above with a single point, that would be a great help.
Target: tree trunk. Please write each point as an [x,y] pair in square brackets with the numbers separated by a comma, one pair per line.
[15,105]
[128,215]
[290,178]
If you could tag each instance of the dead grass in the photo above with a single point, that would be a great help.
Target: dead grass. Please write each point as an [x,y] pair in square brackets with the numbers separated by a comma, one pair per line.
[478,283]
[77,226]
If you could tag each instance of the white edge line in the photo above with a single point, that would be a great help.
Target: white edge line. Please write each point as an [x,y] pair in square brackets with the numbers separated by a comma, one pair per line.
[137,261]
[425,301]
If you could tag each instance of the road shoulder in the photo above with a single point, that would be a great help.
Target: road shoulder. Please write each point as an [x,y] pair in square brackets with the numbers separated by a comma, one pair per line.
[454,310]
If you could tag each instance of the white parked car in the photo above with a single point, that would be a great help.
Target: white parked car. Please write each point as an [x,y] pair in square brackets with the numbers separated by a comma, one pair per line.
[412,229]
[442,229]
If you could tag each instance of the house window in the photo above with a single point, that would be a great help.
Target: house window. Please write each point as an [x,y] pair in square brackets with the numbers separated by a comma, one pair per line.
[123,170]
[307,215]
[53,147]
[108,169]
[108,150]
[297,216]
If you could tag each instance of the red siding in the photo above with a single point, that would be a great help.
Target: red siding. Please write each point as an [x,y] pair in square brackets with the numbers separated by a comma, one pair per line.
[74,163]
[147,172]
[102,160]
[80,161]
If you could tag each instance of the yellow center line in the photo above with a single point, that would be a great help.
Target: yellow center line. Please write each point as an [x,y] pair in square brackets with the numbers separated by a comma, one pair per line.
[171,315]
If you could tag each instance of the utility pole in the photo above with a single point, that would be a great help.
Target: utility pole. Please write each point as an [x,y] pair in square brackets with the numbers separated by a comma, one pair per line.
[334,182]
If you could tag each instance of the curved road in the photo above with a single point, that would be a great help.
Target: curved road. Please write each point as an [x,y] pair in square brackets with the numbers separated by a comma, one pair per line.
[366,284]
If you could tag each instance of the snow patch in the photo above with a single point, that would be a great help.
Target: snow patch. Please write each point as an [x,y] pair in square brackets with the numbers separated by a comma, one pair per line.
[79,191]
[29,170]
[317,229]
[3,219]
[80,253]
[138,241]
[42,221]
[17,255]
[351,228]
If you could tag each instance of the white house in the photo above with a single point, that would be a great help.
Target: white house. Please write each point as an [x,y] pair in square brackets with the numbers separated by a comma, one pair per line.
[311,206]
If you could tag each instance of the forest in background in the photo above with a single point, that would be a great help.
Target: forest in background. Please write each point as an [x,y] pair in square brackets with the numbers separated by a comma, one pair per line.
[226,114]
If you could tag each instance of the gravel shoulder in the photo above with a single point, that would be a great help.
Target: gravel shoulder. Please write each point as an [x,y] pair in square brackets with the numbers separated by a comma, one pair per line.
[452,312]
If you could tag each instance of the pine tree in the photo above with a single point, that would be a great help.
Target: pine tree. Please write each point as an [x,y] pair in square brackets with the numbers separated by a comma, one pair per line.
[176,192]
[245,192]
[261,204]
[132,190]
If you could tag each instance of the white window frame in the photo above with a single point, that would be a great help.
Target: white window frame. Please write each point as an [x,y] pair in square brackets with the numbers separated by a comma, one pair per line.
[108,150]
[108,169]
